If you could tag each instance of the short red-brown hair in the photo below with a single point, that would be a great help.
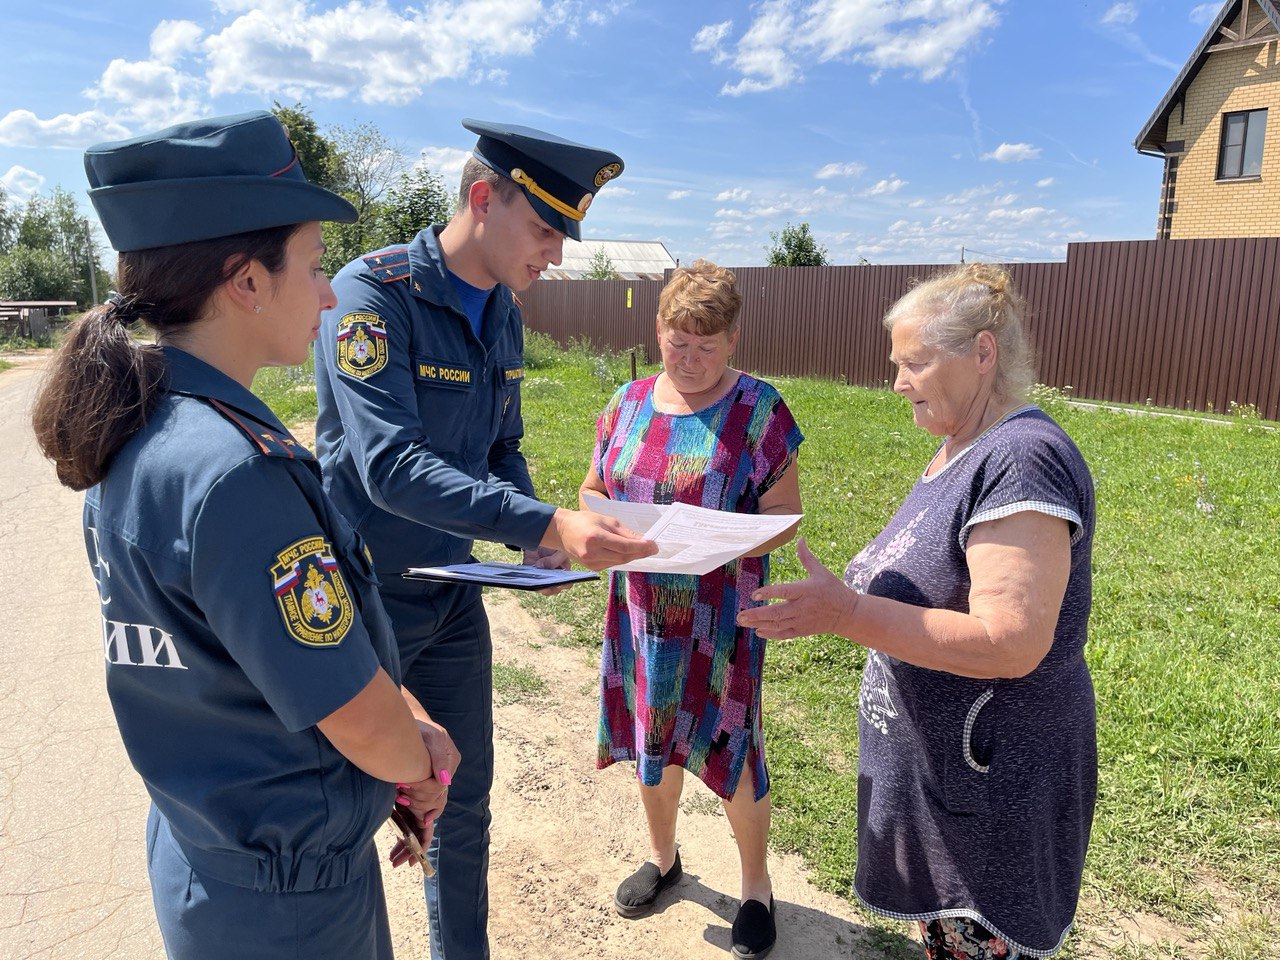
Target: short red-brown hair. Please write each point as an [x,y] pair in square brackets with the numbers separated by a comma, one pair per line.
[701,300]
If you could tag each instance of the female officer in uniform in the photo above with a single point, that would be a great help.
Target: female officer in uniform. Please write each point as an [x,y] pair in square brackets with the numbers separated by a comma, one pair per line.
[250,664]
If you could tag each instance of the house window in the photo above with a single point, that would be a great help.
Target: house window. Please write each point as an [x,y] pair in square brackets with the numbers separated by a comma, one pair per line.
[1242,137]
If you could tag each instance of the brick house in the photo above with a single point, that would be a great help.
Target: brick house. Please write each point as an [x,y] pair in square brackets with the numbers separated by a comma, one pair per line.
[1218,130]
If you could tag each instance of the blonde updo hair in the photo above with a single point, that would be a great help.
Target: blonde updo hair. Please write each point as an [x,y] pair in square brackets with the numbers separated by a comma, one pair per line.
[701,300]
[954,307]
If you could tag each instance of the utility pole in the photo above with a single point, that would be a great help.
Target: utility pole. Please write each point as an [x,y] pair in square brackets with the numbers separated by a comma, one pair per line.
[93,267]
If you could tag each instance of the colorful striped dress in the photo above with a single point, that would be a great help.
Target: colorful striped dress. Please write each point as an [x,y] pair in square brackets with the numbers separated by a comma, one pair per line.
[680,680]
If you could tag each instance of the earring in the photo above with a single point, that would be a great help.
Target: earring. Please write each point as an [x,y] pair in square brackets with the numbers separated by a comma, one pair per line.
[257,308]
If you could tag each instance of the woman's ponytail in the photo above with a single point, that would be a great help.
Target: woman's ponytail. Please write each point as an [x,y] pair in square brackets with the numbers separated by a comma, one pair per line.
[103,384]
[97,393]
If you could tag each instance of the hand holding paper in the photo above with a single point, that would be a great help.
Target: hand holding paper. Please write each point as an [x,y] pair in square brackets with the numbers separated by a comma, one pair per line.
[691,539]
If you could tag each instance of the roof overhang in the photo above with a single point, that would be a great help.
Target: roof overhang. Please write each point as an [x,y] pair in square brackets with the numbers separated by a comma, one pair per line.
[1147,142]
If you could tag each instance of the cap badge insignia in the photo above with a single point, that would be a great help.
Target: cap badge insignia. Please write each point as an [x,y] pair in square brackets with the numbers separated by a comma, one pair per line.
[607,173]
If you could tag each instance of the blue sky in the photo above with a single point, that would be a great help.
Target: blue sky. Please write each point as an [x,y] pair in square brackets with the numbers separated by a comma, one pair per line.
[900,130]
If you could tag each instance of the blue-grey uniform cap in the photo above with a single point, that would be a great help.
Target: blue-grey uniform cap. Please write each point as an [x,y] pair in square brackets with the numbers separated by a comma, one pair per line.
[204,179]
[560,178]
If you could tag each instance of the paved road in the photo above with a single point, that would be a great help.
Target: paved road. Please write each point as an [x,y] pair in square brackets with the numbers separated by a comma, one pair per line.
[73,879]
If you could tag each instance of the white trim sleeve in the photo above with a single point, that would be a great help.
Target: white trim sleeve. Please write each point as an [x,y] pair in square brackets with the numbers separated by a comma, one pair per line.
[1037,506]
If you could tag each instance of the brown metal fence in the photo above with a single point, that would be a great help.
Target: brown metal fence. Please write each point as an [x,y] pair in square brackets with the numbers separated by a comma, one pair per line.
[1193,324]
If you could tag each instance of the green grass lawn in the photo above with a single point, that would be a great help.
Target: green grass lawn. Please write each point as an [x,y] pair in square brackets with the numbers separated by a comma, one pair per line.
[1186,620]
[5,364]
[1183,648]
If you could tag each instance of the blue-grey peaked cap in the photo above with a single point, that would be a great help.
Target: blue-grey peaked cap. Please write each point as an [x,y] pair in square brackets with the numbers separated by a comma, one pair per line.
[204,179]
[559,178]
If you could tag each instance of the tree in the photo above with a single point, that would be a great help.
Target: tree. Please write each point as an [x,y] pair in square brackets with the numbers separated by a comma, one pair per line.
[417,199]
[370,164]
[367,168]
[316,152]
[796,247]
[8,222]
[601,267]
[29,274]
[36,229]
[54,228]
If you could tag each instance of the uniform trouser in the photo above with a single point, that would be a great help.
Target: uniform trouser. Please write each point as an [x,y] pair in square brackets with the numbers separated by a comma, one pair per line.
[205,919]
[447,659]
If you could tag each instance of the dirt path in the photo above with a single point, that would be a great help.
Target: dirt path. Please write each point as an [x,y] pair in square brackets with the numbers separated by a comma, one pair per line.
[565,834]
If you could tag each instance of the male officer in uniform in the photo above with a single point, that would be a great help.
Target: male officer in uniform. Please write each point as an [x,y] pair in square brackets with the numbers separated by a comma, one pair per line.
[418,374]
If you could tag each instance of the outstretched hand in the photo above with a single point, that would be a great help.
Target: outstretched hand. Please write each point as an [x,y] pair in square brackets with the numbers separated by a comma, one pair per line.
[819,604]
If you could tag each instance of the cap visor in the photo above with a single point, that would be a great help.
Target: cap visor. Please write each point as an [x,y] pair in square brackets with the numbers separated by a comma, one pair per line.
[553,218]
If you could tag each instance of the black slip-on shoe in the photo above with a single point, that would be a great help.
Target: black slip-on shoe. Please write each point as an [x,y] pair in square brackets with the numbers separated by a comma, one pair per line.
[637,893]
[754,930]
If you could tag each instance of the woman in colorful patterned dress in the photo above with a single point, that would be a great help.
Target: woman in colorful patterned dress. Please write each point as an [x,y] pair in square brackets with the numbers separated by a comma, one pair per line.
[977,757]
[680,679]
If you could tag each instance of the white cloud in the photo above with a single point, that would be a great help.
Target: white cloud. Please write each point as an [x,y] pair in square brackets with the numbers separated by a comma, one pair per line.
[1120,13]
[1203,13]
[980,217]
[172,40]
[887,187]
[1025,215]
[150,93]
[445,162]
[1012,153]
[21,184]
[921,37]
[710,39]
[615,190]
[1046,182]
[378,51]
[729,213]
[678,194]
[735,195]
[762,58]
[841,170]
[730,228]
[1117,24]
[22,128]
[367,49]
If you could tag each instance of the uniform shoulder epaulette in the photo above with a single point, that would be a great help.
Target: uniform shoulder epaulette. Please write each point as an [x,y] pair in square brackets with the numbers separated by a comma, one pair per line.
[268,442]
[389,265]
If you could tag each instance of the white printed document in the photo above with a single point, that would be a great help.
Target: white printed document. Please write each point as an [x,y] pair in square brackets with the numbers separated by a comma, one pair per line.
[691,539]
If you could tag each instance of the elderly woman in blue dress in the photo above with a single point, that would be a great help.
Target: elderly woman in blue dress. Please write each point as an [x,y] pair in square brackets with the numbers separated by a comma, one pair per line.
[977,763]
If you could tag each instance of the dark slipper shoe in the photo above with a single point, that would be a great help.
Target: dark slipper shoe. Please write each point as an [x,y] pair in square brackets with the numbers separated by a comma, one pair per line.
[637,893]
[754,932]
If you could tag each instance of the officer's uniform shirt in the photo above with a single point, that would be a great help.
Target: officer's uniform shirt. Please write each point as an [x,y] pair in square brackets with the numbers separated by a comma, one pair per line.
[239,609]
[419,427]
